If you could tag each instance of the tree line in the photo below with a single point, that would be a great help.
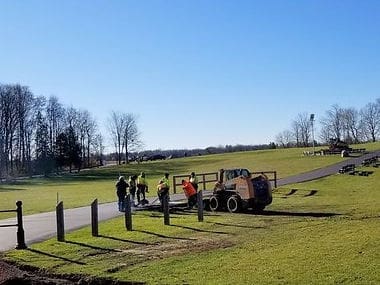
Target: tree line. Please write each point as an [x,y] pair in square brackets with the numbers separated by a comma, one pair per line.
[38,135]
[348,124]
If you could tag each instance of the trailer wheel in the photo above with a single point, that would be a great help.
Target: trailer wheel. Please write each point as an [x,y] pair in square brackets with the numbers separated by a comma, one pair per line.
[213,203]
[233,204]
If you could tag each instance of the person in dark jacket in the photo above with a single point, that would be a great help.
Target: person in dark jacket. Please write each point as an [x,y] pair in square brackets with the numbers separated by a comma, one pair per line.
[121,191]
[132,188]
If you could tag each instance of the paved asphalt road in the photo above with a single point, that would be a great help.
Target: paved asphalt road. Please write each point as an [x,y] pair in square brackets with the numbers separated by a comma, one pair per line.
[39,227]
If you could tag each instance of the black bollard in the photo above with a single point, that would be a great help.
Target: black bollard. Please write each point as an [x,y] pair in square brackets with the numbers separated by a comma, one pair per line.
[20,229]
[94,218]
[128,213]
[200,205]
[60,222]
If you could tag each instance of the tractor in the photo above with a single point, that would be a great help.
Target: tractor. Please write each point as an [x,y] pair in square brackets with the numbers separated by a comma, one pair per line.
[237,190]
[336,145]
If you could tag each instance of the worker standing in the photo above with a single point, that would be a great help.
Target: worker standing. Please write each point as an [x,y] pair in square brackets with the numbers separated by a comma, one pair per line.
[132,188]
[163,189]
[194,180]
[121,191]
[142,188]
[190,193]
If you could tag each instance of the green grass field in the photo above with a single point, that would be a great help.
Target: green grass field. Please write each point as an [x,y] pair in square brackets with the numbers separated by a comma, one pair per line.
[40,195]
[321,232]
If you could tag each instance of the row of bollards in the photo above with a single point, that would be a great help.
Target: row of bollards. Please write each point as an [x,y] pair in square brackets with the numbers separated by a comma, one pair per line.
[128,215]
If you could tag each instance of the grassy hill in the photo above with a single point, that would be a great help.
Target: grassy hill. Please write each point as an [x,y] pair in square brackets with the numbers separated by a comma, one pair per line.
[320,232]
[40,195]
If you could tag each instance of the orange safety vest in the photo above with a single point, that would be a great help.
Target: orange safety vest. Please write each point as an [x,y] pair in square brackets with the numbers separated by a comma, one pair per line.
[189,189]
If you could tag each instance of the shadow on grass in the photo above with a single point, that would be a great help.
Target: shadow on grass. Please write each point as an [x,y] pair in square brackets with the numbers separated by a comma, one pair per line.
[188,213]
[163,236]
[201,230]
[55,256]
[92,246]
[291,192]
[296,192]
[312,193]
[8,189]
[237,226]
[126,240]
[296,214]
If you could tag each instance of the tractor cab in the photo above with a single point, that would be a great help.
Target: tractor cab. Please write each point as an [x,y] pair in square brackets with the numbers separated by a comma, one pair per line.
[237,189]
[230,174]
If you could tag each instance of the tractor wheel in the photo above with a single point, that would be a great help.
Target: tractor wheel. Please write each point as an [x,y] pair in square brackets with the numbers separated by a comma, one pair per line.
[233,204]
[214,203]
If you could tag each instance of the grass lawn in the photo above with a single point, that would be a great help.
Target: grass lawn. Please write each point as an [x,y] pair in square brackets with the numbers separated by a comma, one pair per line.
[326,236]
[40,195]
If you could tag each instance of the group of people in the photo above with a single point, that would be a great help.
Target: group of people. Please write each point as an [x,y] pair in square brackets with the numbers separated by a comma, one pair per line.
[135,185]
[138,185]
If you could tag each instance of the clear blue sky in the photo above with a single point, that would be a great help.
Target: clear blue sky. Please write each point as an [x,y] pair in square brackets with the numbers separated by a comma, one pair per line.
[228,72]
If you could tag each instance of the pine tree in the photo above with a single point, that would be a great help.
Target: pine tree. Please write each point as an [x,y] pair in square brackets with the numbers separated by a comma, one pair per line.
[44,159]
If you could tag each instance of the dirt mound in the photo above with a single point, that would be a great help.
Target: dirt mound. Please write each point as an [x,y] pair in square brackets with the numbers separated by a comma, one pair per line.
[13,275]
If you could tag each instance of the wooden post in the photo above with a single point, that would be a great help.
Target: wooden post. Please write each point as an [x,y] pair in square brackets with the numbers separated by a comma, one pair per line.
[174,185]
[128,213]
[165,202]
[200,205]
[204,182]
[60,222]
[275,179]
[20,229]
[94,218]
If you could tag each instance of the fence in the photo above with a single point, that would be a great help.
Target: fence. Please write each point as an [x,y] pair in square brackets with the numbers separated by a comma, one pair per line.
[272,176]
[205,178]
[20,229]
[127,215]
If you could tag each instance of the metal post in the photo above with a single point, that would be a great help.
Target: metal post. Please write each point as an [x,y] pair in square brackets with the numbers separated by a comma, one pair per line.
[165,202]
[128,213]
[94,218]
[204,182]
[20,229]
[60,222]
[200,205]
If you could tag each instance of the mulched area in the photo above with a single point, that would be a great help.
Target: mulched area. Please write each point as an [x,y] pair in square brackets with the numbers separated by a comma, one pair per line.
[11,274]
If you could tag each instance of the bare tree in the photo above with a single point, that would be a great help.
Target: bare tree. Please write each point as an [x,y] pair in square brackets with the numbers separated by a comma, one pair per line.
[131,136]
[8,125]
[55,115]
[302,129]
[332,124]
[371,120]
[296,132]
[115,127]
[124,133]
[98,148]
[86,128]
[285,139]
[352,125]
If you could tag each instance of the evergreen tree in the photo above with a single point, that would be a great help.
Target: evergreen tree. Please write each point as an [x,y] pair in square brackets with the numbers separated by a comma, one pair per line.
[74,150]
[61,151]
[44,160]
